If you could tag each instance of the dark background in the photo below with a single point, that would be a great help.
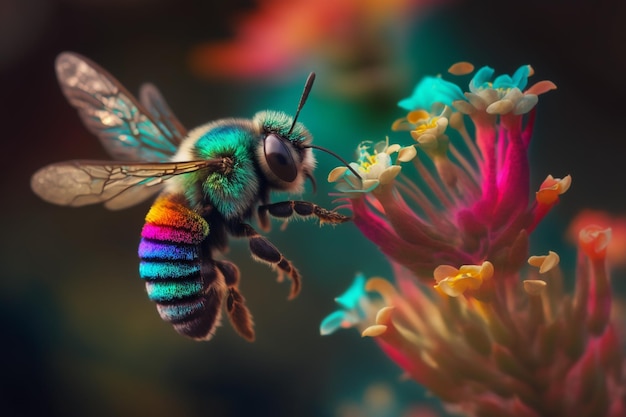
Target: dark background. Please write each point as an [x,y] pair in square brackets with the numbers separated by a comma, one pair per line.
[79,335]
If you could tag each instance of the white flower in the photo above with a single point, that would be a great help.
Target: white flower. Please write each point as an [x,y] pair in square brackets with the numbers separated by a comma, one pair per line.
[374,168]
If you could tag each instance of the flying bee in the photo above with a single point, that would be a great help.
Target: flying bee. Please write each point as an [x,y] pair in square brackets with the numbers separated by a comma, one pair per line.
[210,181]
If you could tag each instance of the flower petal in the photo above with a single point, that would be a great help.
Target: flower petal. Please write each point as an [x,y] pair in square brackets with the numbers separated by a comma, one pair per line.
[551,188]
[336,174]
[593,240]
[401,124]
[369,185]
[427,141]
[461,68]
[514,94]
[383,287]
[332,322]
[374,331]
[503,106]
[463,106]
[488,95]
[416,115]
[457,286]
[388,175]
[486,270]
[545,262]
[482,76]
[541,87]
[351,298]
[526,104]
[429,91]
[455,282]
[444,271]
[476,101]
[534,286]
[384,315]
[520,77]
[392,148]
[406,154]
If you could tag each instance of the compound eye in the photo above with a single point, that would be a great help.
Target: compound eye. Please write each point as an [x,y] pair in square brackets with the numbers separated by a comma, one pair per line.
[279,158]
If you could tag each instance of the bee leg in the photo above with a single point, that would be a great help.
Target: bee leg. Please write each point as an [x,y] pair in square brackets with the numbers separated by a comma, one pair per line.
[238,313]
[287,209]
[263,250]
[263,218]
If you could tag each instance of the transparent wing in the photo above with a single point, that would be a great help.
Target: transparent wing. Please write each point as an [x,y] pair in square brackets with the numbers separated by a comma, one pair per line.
[126,129]
[151,98]
[117,185]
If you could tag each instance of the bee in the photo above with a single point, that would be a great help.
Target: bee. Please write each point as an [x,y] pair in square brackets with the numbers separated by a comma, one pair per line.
[209,181]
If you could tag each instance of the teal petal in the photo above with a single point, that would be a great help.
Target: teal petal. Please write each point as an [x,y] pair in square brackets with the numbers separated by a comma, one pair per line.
[432,90]
[482,77]
[332,322]
[503,81]
[520,78]
[352,311]
[350,299]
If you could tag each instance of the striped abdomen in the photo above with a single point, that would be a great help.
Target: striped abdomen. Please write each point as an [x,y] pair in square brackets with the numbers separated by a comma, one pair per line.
[184,285]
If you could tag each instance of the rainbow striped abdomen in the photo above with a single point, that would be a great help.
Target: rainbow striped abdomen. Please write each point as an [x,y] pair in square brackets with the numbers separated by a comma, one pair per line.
[180,279]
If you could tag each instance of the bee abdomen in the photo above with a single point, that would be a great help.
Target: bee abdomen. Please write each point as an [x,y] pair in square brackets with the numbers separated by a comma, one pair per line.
[182,284]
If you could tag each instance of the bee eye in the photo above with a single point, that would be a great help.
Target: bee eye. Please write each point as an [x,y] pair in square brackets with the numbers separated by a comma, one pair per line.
[279,159]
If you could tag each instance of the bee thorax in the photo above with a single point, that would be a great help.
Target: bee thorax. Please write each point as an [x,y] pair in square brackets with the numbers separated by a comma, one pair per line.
[228,166]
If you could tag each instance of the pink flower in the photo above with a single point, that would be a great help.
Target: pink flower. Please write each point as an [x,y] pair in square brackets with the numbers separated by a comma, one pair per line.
[466,317]
[466,200]
[532,349]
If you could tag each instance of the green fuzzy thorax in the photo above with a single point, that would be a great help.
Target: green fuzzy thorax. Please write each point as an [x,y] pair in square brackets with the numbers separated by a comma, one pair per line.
[235,192]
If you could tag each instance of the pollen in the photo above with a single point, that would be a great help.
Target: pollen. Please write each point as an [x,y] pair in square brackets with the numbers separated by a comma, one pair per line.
[534,286]
[546,262]
[367,162]
[374,330]
[422,128]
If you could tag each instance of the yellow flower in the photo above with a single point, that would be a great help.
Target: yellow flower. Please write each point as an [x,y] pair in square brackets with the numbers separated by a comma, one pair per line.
[455,282]
[422,123]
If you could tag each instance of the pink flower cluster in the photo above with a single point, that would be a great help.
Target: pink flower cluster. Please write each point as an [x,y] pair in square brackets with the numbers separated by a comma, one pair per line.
[467,317]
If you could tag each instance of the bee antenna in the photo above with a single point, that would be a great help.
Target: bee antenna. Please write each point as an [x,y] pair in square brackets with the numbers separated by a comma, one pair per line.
[338,157]
[305,94]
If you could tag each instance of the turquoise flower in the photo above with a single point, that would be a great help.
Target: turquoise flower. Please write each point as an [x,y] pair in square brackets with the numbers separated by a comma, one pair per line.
[354,308]
[504,95]
[504,82]
[430,91]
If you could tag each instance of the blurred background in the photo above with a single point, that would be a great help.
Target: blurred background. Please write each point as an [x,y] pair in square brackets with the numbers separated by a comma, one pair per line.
[79,336]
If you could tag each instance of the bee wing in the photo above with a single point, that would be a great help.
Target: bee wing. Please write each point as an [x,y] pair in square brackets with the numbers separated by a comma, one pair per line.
[126,129]
[117,185]
[151,98]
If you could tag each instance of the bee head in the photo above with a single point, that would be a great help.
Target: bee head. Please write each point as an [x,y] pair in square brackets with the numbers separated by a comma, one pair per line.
[284,155]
